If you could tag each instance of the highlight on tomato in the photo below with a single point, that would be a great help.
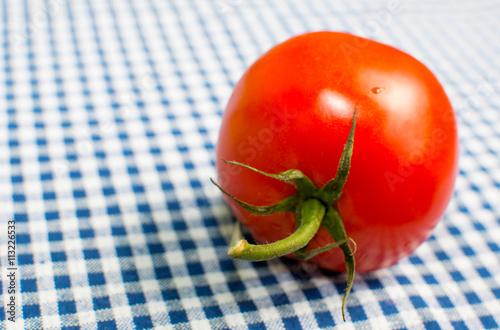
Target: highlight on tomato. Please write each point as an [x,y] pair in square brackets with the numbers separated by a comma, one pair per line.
[337,149]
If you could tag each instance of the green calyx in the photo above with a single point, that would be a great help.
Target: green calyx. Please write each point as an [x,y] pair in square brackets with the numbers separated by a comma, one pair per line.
[313,208]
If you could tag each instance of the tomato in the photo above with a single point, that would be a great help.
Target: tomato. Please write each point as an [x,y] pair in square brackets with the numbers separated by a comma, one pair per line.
[293,109]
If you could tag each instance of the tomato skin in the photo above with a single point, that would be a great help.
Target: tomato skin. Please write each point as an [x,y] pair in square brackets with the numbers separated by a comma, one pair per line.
[292,109]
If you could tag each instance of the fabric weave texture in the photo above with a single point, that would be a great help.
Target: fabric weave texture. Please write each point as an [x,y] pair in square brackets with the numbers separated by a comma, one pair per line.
[109,116]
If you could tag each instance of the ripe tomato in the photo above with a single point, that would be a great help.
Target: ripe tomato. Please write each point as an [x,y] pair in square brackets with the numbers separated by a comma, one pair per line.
[292,109]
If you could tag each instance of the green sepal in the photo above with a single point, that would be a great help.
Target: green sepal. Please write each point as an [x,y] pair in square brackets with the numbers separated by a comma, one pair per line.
[303,254]
[286,205]
[304,186]
[332,190]
[333,223]
[312,208]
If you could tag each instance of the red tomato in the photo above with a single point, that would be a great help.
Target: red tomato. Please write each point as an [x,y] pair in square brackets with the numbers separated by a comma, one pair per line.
[292,109]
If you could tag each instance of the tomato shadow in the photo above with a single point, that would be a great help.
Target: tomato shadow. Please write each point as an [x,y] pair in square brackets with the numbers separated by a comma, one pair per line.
[305,270]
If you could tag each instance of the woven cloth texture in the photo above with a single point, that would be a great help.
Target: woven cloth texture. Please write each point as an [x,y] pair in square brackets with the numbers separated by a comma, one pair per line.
[109,117]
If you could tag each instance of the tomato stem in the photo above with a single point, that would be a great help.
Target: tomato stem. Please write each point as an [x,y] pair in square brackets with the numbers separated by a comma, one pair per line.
[312,213]
[313,207]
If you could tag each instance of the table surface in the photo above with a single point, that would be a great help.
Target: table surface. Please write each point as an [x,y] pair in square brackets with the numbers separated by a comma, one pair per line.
[109,114]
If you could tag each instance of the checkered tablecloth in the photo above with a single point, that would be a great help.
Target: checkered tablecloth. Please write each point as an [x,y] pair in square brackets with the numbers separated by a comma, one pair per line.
[109,114]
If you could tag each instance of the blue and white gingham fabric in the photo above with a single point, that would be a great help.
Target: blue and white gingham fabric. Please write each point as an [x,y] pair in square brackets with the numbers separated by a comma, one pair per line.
[109,114]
